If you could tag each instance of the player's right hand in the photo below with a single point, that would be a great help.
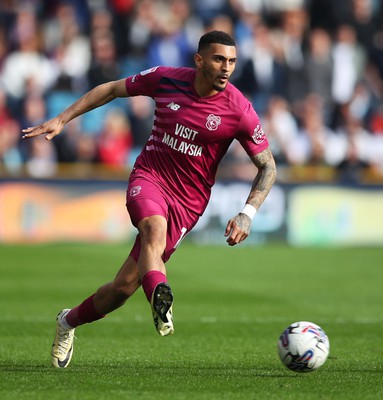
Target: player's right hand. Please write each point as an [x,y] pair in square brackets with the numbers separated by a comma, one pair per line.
[50,128]
[237,229]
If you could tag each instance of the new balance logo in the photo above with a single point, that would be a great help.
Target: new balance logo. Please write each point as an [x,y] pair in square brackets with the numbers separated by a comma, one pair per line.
[173,106]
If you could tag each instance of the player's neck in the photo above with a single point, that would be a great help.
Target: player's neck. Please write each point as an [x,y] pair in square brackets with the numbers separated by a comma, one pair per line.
[203,88]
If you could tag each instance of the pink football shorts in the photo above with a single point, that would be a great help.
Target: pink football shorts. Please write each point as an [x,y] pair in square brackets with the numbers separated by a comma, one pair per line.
[145,198]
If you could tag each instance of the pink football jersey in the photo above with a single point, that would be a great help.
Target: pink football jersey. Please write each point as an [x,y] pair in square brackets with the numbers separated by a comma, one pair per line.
[190,133]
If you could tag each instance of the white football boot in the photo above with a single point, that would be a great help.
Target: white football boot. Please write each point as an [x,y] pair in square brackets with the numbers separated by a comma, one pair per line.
[162,302]
[62,348]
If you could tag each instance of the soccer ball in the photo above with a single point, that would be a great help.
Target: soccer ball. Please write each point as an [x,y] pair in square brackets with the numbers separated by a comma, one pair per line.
[303,347]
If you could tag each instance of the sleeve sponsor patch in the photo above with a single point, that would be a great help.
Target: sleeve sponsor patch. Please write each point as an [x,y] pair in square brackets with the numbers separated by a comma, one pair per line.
[148,71]
[143,73]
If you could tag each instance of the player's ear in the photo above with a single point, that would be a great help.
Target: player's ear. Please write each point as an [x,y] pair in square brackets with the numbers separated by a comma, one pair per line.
[198,60]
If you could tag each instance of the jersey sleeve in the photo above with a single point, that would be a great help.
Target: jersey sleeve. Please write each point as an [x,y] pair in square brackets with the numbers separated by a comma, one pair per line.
[144,83]
[250,133]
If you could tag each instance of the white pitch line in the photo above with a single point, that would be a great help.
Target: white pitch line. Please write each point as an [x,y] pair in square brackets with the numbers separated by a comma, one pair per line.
[206,319]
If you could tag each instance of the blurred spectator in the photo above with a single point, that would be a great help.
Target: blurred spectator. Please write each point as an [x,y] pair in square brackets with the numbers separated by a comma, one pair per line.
[377,52]
[376,122]
[27,68]
[362,103]
[67,143]
[86,149]
[101,20]
[357,147]
[191,25]
[33,113]
[68,46]
[34,110]
[115,141]
[319,67]
[4,112]
[105,66]
[281,128]
[10,155]
[262,75]
[3,46]
[103,33]
[221,22]
[140,28]
[247,14]
[294,27]
[365,20]
[349,63]
[116,16]
[168,45]
[281,6]
[41,162]
[376,156]
[316,144]
[209,9]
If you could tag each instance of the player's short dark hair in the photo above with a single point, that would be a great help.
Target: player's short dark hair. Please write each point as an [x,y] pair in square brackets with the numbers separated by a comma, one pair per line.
[215,37]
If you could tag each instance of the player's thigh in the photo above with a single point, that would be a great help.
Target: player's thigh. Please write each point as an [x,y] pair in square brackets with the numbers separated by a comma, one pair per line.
[145,199]
[146,203]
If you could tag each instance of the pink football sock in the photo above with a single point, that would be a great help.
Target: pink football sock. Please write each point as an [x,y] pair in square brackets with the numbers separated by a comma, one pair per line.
[83,313]
[150,280]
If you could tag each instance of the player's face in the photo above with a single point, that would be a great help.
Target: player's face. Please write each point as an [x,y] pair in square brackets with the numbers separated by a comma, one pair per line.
[217,63]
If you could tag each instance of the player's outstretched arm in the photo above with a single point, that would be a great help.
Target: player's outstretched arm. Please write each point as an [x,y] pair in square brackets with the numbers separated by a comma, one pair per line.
[96,97]
[238,228]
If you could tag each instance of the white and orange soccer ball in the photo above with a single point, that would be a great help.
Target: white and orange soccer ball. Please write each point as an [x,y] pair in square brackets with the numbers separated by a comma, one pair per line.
[303,347]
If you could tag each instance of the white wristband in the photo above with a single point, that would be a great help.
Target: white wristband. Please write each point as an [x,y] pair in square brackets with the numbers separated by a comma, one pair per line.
[249,210]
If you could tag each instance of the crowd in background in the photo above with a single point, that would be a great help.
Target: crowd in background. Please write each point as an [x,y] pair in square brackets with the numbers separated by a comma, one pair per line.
[313,70]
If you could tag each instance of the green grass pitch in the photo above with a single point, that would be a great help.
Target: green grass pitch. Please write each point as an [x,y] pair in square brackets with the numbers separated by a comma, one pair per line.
[231,304]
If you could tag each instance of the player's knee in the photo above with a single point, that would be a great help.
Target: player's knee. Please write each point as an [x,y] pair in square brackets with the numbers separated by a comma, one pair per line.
[153,233]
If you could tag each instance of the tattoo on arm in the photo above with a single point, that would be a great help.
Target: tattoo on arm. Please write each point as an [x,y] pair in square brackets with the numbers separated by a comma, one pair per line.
[243,222]
[264,179]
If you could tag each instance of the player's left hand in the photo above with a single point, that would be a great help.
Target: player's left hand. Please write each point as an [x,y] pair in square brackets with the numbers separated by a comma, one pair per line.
[237,229]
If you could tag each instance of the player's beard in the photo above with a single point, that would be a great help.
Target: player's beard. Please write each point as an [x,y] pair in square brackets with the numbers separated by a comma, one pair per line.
[219,88]
[216,86]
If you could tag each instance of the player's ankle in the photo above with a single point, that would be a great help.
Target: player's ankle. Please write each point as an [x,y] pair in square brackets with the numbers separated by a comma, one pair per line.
[150,280]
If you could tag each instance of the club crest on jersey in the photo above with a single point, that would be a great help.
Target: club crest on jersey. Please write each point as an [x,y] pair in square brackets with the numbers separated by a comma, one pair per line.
[134,191]
[213,122]
[258,135]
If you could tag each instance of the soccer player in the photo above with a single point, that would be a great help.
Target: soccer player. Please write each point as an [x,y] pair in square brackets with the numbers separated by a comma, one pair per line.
[198,114]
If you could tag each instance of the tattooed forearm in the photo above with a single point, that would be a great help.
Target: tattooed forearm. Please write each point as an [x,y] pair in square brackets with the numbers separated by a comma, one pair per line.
[264,179]
[238,227]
